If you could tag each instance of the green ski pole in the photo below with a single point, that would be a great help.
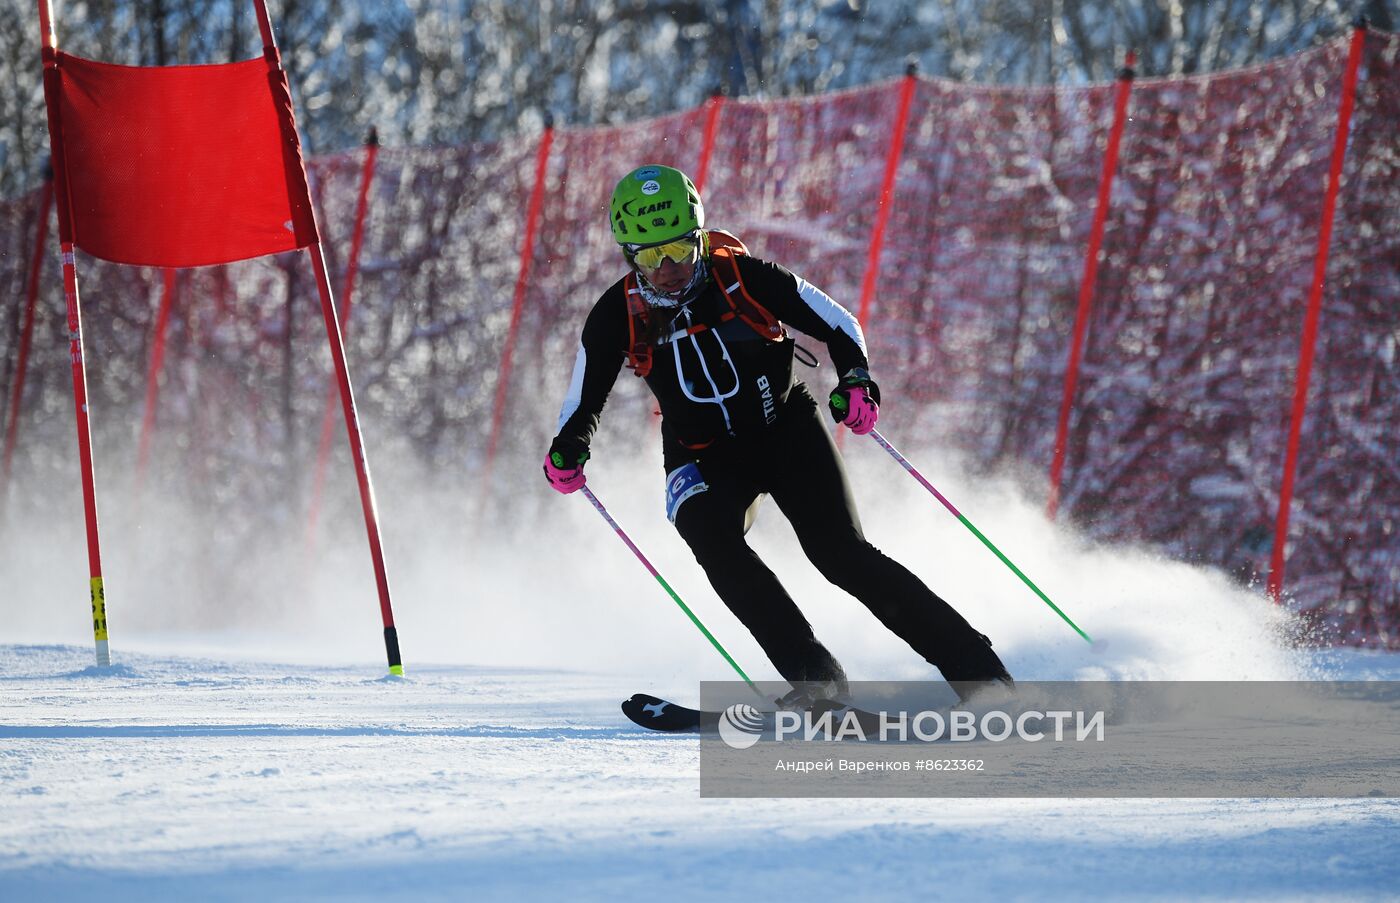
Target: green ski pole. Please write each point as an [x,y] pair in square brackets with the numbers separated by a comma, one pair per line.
[593,499]
[904,462]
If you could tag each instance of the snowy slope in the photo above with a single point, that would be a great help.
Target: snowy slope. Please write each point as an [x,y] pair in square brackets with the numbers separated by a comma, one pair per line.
[232,753]
[171,777]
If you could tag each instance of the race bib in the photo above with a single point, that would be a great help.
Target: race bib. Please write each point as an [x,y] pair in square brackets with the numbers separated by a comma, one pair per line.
[681,484]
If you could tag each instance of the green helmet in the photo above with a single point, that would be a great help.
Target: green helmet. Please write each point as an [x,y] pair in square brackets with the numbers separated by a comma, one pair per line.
[654,204]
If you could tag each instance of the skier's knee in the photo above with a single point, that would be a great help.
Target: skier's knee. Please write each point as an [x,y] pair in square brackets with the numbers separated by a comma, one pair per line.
[700,534]
[845,563]
[714,549]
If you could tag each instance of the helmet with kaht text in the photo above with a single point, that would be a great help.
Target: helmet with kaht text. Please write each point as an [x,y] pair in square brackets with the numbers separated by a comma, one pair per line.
[654,204]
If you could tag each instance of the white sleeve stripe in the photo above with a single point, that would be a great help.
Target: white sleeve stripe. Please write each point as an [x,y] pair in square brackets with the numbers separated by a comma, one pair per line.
[574,397]
[833,314]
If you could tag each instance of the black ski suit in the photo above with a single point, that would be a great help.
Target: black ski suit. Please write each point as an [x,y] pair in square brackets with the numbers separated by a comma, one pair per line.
[736,425]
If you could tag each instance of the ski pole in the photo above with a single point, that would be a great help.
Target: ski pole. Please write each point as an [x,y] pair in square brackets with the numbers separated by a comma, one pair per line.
[904,462]
[588,494]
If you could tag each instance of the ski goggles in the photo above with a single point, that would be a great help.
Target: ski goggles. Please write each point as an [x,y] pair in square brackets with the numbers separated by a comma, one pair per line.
[683,250]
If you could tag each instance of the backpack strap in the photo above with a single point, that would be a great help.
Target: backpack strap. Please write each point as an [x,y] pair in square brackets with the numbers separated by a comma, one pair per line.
[718,238]
[638,349]
[725,268]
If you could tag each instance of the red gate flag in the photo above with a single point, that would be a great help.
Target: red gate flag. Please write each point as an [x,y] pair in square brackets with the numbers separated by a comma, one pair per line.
[181,166]
[175,167]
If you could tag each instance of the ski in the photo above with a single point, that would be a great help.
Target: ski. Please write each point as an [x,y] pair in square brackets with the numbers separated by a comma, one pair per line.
[657,714]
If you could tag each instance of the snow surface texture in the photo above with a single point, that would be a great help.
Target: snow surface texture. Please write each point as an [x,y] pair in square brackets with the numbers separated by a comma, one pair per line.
[180,778]
[201,765]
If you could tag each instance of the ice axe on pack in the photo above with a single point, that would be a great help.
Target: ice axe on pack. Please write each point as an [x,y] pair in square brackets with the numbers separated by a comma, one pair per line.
[913,472]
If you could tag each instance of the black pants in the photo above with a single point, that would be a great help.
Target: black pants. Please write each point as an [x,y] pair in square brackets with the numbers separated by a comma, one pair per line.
[795,461]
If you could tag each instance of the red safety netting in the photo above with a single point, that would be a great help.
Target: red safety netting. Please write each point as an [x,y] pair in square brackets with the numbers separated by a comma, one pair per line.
[983,260]
[1188,377]
[18,227]
[1344,539]
[1182,411]
[1188,373]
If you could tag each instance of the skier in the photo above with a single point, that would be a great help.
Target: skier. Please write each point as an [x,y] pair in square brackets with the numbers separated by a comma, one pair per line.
[702,322]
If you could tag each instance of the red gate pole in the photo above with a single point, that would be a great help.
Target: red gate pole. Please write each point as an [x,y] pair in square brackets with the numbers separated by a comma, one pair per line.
[1091,273]
[52,90]
[882,213]
[148,417]
[713,106]
[527,252]
[347,396]
[26,335]
[1309,340]
[882,210]
[347,294]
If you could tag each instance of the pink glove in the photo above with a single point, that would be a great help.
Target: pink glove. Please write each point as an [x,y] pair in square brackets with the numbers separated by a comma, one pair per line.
[862,411]
[563,479]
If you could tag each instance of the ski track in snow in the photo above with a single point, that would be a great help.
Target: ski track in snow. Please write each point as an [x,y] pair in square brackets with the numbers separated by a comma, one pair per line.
[170,777]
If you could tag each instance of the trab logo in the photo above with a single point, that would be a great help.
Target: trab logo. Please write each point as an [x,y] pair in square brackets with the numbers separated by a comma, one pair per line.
[645,173]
